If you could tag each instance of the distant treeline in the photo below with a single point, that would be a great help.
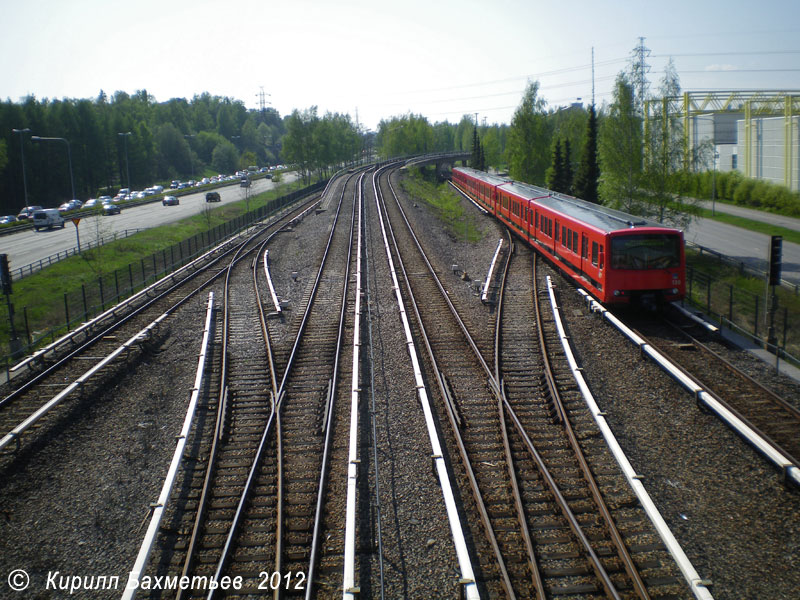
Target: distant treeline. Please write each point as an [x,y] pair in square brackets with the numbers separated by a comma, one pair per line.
[176,139]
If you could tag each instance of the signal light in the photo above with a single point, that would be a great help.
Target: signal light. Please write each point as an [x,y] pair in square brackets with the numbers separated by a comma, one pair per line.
[775,259]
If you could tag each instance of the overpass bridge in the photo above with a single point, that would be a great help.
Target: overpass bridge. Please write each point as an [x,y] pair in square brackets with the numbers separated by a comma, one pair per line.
[440,160]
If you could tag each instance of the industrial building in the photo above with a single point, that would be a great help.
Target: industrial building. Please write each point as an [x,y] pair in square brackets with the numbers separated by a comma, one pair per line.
[756,133]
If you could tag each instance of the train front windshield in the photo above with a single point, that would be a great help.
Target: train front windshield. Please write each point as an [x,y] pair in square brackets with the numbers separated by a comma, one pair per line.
[643,252]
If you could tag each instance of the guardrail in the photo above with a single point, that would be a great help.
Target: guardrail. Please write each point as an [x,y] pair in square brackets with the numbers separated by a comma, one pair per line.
[160,505]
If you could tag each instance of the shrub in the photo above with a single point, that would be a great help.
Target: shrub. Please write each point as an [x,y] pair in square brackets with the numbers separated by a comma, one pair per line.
[743,192]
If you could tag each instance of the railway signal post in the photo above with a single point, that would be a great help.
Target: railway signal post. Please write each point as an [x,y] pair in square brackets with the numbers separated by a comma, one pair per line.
[15,344]
[773,280]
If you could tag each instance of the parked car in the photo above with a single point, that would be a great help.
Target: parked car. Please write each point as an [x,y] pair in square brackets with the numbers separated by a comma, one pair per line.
[212,197]
[26,212]
[170,201]
[8,219]
[109,208]
[47,218]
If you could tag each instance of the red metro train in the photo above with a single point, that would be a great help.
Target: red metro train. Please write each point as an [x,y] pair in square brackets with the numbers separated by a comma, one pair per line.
[620,258]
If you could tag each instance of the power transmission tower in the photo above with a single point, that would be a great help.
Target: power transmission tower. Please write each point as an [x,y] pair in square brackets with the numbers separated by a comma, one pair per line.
[262,102]
[639,71]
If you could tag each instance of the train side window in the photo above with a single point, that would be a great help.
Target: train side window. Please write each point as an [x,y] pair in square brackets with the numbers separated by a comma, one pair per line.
[575,242]
[595,252]
[584,247]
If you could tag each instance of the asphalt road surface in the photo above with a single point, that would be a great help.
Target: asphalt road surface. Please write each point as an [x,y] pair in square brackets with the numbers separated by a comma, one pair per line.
[745,246]
[31,246]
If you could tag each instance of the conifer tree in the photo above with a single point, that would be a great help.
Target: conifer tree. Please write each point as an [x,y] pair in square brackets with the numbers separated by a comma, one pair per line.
[566,169]
[588,175]
[554,177]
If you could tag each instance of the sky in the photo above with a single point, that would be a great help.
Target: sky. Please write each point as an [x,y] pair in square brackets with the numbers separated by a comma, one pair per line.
[376,59]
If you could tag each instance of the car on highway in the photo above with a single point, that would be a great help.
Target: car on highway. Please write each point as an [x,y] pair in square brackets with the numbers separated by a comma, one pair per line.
[8,219]
[27,212]
[71,205]
[93,203]
[212,197]
[109,208]
[170,201]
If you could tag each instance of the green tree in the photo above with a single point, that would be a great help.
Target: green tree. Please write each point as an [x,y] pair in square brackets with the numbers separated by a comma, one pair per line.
[529,138]
[621,151]
[588,174]
[665,166]
[554,176]
[225,157]
[403,136]
[297,144]
[566,168]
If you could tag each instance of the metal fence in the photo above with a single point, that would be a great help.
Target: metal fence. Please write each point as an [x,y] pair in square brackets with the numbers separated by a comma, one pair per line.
[37,325]
[746,312]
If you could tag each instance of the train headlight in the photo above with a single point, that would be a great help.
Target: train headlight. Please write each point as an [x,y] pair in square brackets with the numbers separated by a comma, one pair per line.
[617,293]
[674,291]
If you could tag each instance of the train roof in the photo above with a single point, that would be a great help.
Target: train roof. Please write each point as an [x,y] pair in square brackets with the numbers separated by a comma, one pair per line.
[601,217]
[483,176]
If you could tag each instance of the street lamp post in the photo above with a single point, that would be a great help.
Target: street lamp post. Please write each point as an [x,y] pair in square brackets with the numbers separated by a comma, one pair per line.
[127,166]
[22,153]
[36,138]
[191,158]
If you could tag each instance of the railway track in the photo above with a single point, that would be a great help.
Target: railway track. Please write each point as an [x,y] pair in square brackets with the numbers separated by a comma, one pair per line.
[686,343]
[254,519]
[625,557]
[543,513]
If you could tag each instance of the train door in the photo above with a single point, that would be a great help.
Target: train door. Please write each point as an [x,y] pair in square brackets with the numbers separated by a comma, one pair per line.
[556,237]
[584,251]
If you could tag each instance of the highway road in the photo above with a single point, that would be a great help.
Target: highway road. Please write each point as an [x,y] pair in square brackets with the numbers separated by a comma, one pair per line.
[746,246]
[31,246]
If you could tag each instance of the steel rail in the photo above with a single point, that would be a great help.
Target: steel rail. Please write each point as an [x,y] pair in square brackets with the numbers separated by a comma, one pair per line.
[781,402]
[316,538]
[470,589]
[498,391]
[13,435]
[477,496]
[791,471]
[349,575]
[373,409]
[222,408]
[538,584]
[616,536]
[273,419]
[222,394]
[792,461]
